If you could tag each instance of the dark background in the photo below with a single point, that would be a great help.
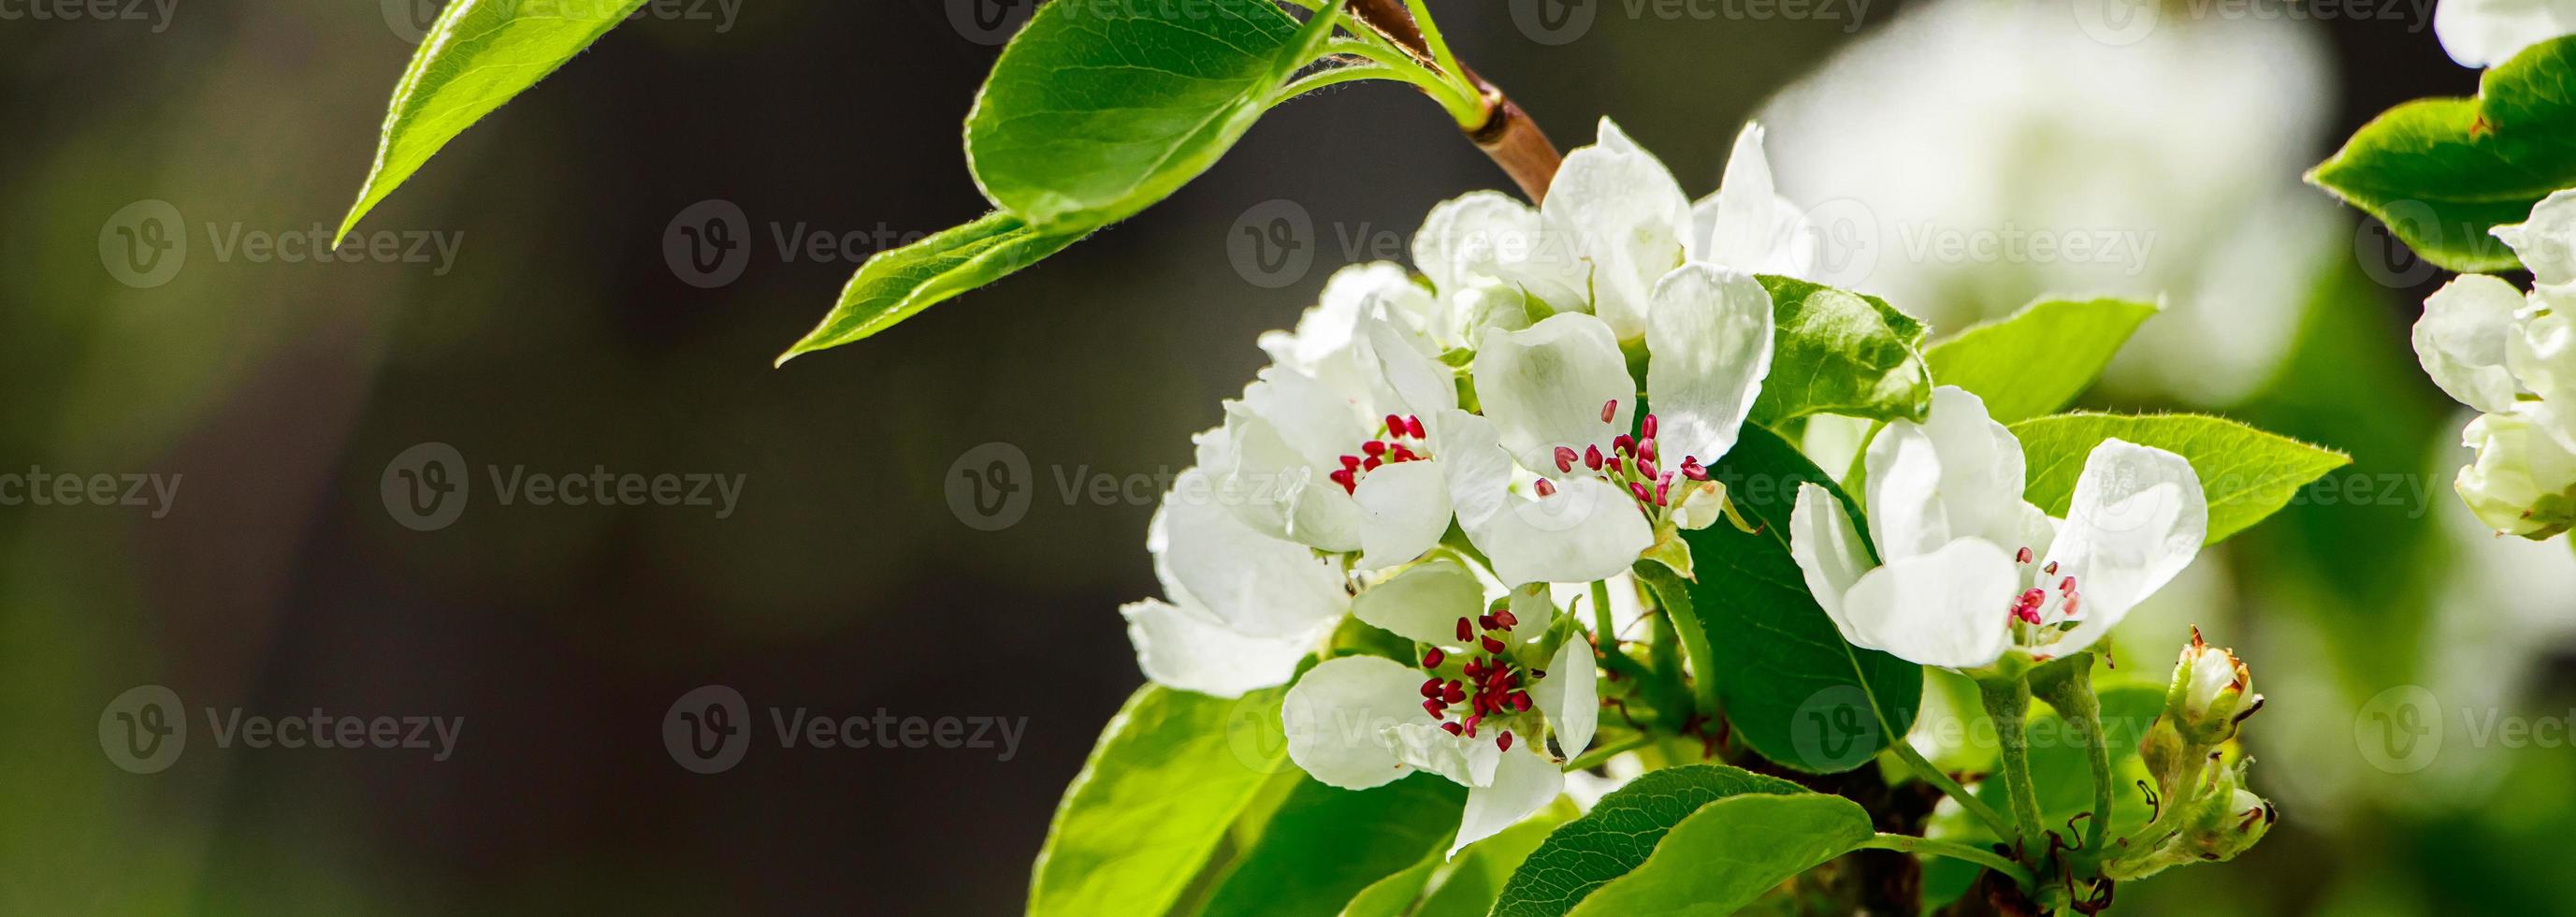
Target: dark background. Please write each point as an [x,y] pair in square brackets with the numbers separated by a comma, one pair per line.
[563,340]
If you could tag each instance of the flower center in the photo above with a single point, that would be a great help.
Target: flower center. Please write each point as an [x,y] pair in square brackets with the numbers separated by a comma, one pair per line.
[1490,684]
[1630,465]
[1402,440]
[2046,609]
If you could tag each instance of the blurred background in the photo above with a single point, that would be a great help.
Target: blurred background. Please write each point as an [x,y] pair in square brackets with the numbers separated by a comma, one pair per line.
[547,303]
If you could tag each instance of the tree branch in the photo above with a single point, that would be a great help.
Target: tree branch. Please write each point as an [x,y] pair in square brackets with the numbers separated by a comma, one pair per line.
[1508,135]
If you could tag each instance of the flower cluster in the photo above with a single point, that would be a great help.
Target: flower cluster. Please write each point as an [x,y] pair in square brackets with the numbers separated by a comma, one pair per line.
[2512,356]
[1436,456]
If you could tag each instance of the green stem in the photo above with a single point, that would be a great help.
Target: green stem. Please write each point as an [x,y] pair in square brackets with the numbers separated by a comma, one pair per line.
[1604,629]
[1333,76]
[1431,40]
[2007,701]
[1910,844]
[1465,108]
[1594,758]
[1934,775]
[2069,688]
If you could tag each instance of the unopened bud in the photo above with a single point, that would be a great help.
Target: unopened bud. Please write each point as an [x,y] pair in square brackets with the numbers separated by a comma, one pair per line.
[2212,692]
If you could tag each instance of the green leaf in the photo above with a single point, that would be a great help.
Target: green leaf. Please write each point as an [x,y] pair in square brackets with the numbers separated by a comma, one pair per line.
[1620,833]
[2247,474]
[1325,844]
[1793,689]
[895,284]
[1730,852]
[2039,359]
[2442,172]
[1097,110]
[1172,772]
[481,53]
[1841,353]
[1466,886]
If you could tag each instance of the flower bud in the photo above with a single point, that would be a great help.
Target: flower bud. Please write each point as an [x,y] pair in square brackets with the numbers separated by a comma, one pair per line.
[2524,480]
[2227,820]
[2211,693]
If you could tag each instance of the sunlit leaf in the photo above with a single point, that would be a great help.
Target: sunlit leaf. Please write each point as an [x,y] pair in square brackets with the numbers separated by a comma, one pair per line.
[2039,359]
[2246,473]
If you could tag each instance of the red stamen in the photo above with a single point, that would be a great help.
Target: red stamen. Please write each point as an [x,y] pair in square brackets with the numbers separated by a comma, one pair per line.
[1504,741]
[1565,459]
[1692,469]
[1504,617]
[1453,728]
[1373,448]
[2023,556]
[1485,622]
[1431,689]
[1413,428]
[1649,427]
[1609,409]
[1394,425]
[1452,693]
[1638,490]
[1646,466]
[1433,707]
[1432,659]
[1465,633]
[1545,487]
[1592,457]
[2066,585]
[1349,481]
[1493,646]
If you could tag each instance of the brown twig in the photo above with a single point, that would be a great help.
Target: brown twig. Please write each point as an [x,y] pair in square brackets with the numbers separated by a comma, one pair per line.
[1508,136]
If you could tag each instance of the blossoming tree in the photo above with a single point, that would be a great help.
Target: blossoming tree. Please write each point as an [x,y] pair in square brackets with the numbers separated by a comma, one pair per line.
[1504,588]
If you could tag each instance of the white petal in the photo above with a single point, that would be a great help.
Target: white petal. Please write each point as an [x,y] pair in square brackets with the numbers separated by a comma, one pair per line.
[1741,221]
[1257,585]
[1569,696]
[1588,530]
[1625,216]
[2138,518]
[1423,603]
[2546,243]
[1466,762]
[1947,608]
[1192,651]
[1958,474]
[1544,387]
[1418,384]
[1710,339]
[1524,783]
[2523,474]
[1470,236]
[2463,337]
[1827,549]
[1404,509]
[2484,33]
[2542,352]
[1337,716]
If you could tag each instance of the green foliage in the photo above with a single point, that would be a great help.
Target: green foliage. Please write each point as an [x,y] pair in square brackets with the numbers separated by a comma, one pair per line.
[1097,110]
[2442,172]
[1841,353]
[893,285]
[480,54]
[1467,885]
[2247,474]
[1324,844]
[2039,359]
[1730,852]
[1620,834]
[1793,689]
[1172,772]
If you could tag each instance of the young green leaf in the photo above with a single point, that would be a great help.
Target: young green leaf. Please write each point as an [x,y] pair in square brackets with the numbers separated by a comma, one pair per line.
[893,285]
[2041,357]
[2442,172]
[1097,110]
[1325,844]
[1172,772]
[1730,852]
[1621,832]
[1841,353]
[2246,473]
[1793,689]
[480,54]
